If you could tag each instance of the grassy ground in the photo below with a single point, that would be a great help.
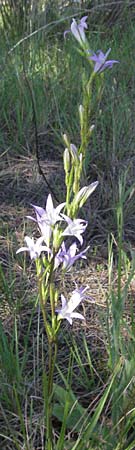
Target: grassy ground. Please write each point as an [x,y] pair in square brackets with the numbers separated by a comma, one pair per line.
[46,71]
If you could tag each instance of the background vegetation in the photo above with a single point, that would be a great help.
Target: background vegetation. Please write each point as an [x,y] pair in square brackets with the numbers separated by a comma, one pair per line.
[40,91]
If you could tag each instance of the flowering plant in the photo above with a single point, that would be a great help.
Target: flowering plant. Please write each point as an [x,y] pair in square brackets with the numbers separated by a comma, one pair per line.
[50,251]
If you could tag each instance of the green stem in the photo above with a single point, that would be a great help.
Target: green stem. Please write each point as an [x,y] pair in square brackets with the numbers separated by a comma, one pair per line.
[52,361]
[42,297]
[52,303]
[85,125]
[69,189]
[51,332]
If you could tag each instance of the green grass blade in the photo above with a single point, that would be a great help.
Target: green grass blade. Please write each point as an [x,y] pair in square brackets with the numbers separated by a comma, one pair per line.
[87,433]
[20,414]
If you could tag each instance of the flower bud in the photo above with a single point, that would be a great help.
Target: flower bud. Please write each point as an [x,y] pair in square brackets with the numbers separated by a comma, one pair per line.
[74,152]
[84,193]
[65,138]
[81,112]
[66,159]
[92,128]
[56,237]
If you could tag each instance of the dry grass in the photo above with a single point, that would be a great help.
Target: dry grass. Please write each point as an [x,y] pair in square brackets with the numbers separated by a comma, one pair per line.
[21,185]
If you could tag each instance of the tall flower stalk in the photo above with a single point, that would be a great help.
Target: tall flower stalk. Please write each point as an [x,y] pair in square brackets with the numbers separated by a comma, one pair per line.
[94,84]
[56,225]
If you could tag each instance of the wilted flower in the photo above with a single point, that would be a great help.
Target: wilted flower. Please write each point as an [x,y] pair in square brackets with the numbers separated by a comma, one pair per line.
[100,61]
[75,227]
[66,311]
[68,257]
[34,248]
[77,29]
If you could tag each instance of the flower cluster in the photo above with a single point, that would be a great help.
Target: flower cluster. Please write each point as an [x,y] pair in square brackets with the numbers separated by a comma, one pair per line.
[53,224]
[99,58]
[47,220]
[61,230]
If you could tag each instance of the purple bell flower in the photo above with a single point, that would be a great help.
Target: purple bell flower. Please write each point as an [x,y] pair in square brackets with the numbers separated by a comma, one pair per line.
[100,61]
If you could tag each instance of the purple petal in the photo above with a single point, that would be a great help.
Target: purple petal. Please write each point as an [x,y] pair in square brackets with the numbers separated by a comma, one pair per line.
[77,316]
[22,249]
[63,300]
[111,61]
[106,54]
[94,57]
[100,60]
[66,32]
[31,218]
[107,64]
[49,204]
[66,218]
[72,250]
[83,22]
[59,207]
[75,30]
[69,318]
[40,211]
